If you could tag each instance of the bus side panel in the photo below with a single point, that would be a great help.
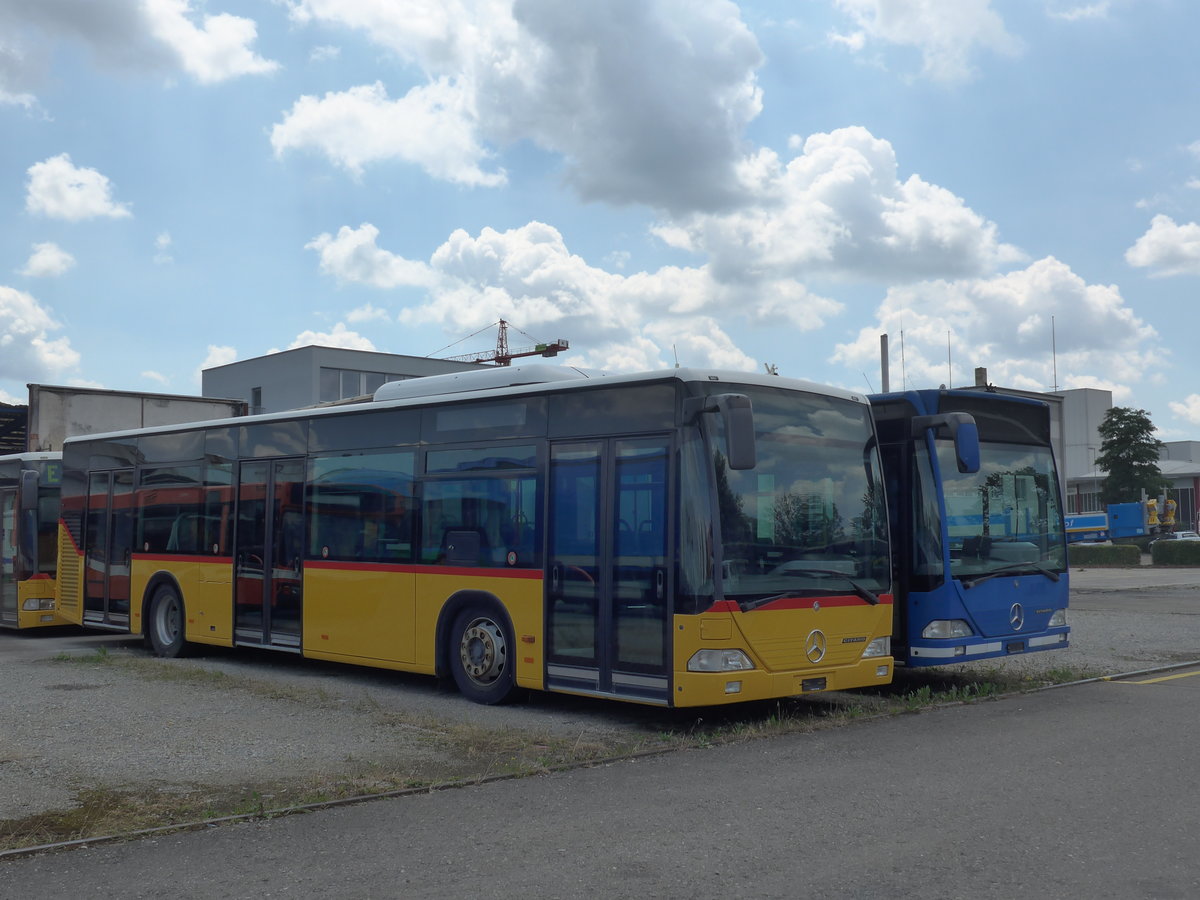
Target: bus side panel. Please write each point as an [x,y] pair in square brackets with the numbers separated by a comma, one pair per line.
[210,606]
[37,603]
[205,586]
[142,570]
[519,590]
[359,613]
[70,578]
[776,640]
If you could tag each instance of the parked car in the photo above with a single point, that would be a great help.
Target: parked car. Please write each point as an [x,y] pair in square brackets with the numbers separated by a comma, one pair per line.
[1177,536]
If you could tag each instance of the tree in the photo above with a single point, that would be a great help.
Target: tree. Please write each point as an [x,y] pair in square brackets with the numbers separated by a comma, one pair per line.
[1129,456]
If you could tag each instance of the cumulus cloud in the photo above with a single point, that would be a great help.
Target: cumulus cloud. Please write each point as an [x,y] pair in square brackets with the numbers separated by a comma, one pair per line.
[27,350]
[646,100]
[947,35]
[1080,13]
[1167,248]
[1005,323]
[353,256]
[216,355]
[141,35]
[340,336]
[430,126]
[528,276]
[1188,410]
[839,208]
[60,190]
[48,260]
[216,51]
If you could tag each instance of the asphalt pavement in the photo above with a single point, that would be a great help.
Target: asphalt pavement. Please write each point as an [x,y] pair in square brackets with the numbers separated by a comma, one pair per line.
[1081,791]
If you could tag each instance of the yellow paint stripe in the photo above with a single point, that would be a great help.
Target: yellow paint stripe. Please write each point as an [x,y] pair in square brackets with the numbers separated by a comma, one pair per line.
[1156,680]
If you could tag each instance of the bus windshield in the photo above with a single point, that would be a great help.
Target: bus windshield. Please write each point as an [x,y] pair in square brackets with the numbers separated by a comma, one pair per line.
[1005,518]
[809,519]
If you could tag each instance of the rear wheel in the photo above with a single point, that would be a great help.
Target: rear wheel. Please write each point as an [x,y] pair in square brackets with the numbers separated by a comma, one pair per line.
[481,656]
[165,625]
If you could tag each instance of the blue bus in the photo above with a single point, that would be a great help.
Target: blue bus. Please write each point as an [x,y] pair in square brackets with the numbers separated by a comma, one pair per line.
[978,538]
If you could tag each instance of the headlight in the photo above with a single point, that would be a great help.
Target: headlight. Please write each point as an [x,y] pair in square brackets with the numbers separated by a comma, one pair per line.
[1057,620]
[947,628]
[719,661]
[38,603]
[879,647]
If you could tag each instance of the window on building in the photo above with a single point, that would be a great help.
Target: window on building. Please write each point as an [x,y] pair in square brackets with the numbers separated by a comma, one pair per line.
[342,384]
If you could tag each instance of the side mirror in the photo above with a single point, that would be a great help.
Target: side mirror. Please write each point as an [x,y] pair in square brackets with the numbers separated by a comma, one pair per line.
[963,431]
[737,418]
[28,504]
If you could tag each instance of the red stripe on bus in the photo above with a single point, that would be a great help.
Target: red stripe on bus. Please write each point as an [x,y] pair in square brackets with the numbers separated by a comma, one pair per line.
[409,568]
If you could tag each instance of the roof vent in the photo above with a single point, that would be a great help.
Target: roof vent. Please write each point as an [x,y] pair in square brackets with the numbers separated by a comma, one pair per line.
[487,379]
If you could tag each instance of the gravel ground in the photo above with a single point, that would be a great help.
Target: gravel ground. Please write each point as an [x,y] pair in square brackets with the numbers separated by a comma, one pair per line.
[230,719]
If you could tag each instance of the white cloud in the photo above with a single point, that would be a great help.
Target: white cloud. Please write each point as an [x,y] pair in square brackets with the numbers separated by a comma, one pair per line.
[324,53]
[431,126]
[646,101]
[27,352]
[368,313]
[353,256]
[340,336]
[1020,325]
[136,35]
[218,51]
[947,34]
[216,355]
[1167,248]
[529,277]
[58,189]
[839,208]
[1188,410]
[162,249]
[48,260]
[151,375]
[1085,12]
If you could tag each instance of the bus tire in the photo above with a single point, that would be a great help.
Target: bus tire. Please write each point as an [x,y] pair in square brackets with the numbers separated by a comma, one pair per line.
[165,624]
[482,656]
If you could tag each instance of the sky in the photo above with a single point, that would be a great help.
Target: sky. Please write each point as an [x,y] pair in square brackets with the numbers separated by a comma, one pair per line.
[1012,184]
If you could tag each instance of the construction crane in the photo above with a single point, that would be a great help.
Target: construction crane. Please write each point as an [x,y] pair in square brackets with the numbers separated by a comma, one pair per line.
[503,356]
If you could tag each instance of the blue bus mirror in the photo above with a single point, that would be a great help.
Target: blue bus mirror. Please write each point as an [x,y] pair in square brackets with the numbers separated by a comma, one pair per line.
[963,431]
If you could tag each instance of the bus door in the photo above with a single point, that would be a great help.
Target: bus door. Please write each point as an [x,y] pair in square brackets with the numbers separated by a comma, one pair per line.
[608,603]
[268,549]
[108,547]
[8,556]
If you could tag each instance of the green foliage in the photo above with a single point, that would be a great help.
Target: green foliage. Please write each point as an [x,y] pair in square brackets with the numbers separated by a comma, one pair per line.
[1129,454]
[1095,555]
[1175,553]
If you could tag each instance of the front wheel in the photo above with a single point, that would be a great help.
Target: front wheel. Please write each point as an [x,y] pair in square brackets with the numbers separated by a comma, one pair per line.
[481,657]
[165,625]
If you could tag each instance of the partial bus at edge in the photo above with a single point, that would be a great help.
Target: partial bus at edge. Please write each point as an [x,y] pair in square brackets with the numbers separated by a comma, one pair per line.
[678,538]
[29,507]
[977,525]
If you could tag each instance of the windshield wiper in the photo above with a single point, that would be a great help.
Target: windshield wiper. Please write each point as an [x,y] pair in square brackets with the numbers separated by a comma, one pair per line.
[1023,568]
[858,589]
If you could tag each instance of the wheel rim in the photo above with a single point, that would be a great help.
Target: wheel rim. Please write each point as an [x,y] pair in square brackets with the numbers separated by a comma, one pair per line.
[166,621]
[483,651]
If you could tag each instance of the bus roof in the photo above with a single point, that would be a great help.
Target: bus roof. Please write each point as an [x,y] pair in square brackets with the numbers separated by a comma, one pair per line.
[519,381]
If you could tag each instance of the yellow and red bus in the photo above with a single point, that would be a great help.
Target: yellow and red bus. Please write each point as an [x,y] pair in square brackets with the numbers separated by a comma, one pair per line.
[29,501]
[679,538]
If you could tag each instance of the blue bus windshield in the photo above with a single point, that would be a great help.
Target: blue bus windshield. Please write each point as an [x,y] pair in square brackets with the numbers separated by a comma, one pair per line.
[1005,517]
